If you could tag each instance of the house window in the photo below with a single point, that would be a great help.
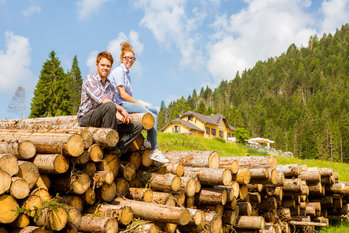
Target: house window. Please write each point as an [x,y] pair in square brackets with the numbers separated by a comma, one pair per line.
[176,129]
[190,118]
[208,130]
[213,131]
[228,135]
[221,133]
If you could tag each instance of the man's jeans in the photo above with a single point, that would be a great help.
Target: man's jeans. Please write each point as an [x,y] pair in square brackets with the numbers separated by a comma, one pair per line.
[104,116]
[151,133]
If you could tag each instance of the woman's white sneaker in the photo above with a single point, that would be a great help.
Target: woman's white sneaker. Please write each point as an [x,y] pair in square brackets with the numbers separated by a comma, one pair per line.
[159,157]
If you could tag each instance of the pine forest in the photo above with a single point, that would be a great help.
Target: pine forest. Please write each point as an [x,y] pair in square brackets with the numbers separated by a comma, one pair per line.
[299,99]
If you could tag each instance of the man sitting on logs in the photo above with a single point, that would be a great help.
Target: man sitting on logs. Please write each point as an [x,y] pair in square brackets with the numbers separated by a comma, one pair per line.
[97,108]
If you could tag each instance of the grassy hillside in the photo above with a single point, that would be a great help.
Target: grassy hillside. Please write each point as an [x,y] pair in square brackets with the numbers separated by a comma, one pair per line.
[185,142]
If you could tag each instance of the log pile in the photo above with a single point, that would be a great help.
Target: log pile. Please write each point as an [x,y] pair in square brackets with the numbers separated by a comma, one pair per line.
[57,176]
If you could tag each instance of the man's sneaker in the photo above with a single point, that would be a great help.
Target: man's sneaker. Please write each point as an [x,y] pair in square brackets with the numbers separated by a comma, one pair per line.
[147,144]
[159,157]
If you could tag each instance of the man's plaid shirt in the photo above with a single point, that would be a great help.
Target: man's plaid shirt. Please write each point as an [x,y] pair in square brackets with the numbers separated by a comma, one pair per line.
[93,92]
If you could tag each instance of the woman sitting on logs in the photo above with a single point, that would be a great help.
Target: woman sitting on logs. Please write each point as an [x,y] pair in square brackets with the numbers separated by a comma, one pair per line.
[121,80]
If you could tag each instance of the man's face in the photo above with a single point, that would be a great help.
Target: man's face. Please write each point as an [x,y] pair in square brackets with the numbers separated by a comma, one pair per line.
[103,68]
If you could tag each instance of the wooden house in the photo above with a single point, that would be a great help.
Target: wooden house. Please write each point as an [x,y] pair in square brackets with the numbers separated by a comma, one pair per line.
[200,125]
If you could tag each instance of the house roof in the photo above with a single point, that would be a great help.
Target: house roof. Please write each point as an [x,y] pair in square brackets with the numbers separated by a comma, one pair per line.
[185,123]
[213,119]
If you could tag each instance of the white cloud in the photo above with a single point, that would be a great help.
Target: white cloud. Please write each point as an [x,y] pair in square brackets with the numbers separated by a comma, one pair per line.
[170,25]
[15,63]
[31,11]
[86,8]
[265,28]
[336,13]
[115,49]
[91,61]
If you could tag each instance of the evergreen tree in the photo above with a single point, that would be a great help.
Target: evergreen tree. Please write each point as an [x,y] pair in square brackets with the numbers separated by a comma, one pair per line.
[52,96]
[75,81]
[162,116]
[201,108]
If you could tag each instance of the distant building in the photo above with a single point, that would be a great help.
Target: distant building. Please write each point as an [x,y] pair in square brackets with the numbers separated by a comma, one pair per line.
[200,125]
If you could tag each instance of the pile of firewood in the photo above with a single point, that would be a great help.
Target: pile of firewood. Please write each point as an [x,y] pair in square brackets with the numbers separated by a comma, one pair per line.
[57,176]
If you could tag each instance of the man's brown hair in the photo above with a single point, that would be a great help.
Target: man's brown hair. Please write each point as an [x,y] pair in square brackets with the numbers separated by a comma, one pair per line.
[105,55]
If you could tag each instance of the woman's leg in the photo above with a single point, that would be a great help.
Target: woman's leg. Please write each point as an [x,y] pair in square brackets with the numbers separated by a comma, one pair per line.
[151,133]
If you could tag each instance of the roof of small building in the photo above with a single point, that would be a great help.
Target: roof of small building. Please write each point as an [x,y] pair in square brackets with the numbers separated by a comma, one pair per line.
[213,119]
[185,123]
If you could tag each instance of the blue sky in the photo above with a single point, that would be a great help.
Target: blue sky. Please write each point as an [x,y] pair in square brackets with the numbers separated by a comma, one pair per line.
[180,45]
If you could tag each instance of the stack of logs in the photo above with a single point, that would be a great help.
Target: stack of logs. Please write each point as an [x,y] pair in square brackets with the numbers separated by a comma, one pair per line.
[57,176]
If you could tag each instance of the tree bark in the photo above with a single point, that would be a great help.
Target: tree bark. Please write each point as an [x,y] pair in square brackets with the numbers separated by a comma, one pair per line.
[290,170]
[194,158]
[32,229]
[51,163]
[232,165]
[103,177]
[7,203]
[209,176]
[22,150]
[174,168]
[9,164]
[155,212]
[310,176]
[250,222]
[141,194]
[49,143]
[253,161]
[211,196]
[124,214]
[162,182]
[98,224]
[105,137]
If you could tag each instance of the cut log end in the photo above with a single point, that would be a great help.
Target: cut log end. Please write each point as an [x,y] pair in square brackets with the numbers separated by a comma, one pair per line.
[75,145]
[184,217]
[213,160]
[176,184]
[8,204]
[26,150]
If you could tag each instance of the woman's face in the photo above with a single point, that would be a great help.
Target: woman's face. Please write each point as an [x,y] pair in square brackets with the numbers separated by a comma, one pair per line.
[128,60]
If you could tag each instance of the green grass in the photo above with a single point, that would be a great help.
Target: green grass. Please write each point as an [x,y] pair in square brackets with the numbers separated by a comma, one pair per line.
[186,142]
[336,227]
[168,141]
